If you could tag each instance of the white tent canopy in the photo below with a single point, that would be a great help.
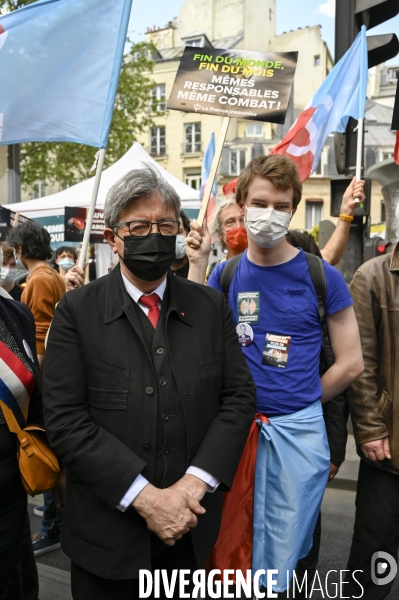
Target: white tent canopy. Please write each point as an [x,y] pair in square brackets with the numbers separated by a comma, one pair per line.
[80,194]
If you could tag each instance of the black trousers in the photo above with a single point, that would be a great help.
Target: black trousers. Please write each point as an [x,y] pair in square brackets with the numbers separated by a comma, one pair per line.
[13,505]
[24,581]
[86,585]
[376,527]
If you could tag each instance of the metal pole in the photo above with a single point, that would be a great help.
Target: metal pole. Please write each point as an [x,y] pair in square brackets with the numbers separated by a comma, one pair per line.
[14,174]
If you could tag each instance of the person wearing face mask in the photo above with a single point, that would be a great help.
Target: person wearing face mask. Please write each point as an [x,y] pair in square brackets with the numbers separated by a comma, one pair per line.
[227,226]
[154,408]
[180,265]
[9,272]
[65,259]
[271,291]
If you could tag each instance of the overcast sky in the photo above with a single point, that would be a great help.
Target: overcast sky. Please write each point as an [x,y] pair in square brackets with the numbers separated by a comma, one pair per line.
[291,14]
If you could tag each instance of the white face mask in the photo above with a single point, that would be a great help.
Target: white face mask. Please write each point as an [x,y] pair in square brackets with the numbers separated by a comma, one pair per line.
[266,226]
[7,275]
[66,264]
[180,246]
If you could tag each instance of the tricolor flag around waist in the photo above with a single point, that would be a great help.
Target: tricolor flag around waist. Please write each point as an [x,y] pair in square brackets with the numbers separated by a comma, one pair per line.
[341,95]
[59,70]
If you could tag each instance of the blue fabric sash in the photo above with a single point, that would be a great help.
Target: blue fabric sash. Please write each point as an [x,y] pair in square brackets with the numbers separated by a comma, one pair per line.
[292,468]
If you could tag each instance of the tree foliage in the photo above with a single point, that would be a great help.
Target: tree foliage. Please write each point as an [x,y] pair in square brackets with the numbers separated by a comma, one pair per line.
[69,163]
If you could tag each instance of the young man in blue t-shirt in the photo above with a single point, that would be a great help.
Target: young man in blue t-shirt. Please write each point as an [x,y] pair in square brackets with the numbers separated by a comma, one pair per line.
[272,293]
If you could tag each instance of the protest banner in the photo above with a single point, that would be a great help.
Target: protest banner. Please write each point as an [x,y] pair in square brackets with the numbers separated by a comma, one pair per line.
[9,219]
[75,223]
[232,84]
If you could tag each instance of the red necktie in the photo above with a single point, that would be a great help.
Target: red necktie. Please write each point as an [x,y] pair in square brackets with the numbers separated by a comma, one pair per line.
[151,302]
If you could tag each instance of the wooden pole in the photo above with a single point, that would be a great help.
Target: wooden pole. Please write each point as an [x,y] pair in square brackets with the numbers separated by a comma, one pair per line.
[92,208]
[212,174]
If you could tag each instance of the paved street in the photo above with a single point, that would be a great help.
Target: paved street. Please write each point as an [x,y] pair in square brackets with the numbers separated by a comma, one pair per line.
[337,524]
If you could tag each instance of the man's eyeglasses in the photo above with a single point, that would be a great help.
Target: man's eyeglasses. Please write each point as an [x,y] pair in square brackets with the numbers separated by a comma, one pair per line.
[233,222]
[143,228]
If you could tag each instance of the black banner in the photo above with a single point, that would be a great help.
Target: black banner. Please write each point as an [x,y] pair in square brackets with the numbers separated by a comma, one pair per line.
[7,219]
[75,223]
[234,83]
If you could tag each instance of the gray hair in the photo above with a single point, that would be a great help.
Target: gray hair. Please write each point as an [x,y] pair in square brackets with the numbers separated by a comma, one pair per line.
[214,225]
[136,184]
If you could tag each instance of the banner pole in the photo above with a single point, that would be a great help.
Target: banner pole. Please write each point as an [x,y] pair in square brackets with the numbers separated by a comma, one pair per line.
[359,152]
[212,174]
[92,208]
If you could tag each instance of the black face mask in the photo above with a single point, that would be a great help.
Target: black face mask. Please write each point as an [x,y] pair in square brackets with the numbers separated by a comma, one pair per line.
[149,257]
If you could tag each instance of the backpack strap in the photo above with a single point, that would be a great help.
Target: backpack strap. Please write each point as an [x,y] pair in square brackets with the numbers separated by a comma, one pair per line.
[318,277]
[228,273]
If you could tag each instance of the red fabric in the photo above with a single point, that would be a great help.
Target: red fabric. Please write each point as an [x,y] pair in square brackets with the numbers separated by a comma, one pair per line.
[299,143]
[151,302]
[233,548]
[209,208]
[231,187]
[237,239]
[396,151]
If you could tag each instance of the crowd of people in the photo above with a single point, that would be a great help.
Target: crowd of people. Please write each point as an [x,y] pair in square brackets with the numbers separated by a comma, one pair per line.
[198,408]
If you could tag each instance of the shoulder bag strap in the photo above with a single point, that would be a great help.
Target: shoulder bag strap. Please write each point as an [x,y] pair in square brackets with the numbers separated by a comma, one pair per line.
[228,273]
[11,421]
[318,277]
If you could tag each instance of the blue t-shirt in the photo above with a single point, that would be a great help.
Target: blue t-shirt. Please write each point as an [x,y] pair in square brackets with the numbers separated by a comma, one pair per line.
[279,303]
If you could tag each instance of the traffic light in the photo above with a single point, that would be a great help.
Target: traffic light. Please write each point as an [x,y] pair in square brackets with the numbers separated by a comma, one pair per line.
[374,247]
[337,190]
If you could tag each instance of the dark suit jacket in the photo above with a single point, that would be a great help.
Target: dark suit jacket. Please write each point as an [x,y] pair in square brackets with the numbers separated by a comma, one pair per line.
[101,411]
[21,324]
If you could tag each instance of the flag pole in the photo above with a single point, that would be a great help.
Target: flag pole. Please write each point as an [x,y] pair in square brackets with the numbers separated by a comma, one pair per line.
[92,208]
[359,152]
[212,173]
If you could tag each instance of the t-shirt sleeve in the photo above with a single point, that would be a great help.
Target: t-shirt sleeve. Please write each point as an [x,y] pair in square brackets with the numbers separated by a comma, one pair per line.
[214,278]
[337,295]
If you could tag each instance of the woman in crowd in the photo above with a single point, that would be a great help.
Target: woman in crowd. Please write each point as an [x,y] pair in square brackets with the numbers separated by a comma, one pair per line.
[181,265]
[65,259]
[20,386]
[9,273]
[45,287]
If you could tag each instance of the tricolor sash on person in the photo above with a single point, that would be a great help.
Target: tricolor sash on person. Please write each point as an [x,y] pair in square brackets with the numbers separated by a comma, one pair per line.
[268,518]
[17,384]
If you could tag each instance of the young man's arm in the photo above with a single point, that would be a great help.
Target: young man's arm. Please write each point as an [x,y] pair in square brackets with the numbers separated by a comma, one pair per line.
[345,343]
[198,248]
[334,249]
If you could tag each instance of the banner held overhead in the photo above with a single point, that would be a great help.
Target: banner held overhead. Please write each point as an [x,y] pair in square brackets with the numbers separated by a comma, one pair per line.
[234,83]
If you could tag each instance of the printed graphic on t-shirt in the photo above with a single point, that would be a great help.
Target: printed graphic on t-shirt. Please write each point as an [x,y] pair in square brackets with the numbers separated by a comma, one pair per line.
[248,307]
[275,353]
[245,334]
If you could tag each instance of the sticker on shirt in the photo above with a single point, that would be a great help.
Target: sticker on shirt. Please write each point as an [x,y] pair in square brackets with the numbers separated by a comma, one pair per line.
[248,307]
[245,334]
[28,350]
[275,353]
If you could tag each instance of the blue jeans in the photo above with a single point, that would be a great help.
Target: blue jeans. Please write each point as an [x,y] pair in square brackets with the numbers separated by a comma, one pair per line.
[59,516]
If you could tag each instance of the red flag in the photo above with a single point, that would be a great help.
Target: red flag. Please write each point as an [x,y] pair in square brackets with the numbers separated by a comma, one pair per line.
[396,151]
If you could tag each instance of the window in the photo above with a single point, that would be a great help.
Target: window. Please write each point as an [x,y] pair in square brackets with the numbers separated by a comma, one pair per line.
[197,42]
[193,179]
[386,155]
[314,213]
[158,141]
[38,190]
[254,130]
[158,97]
[237,161]
[192,138]
[317,60]
[393,74]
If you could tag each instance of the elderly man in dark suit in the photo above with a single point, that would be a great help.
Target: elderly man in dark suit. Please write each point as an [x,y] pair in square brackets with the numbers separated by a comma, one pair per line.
[148,403]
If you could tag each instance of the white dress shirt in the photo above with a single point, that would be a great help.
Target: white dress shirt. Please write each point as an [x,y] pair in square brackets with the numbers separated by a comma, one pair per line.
[140,482]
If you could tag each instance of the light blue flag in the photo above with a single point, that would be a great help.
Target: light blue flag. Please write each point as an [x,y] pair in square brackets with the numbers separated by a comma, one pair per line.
[59,70]
[207,165]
